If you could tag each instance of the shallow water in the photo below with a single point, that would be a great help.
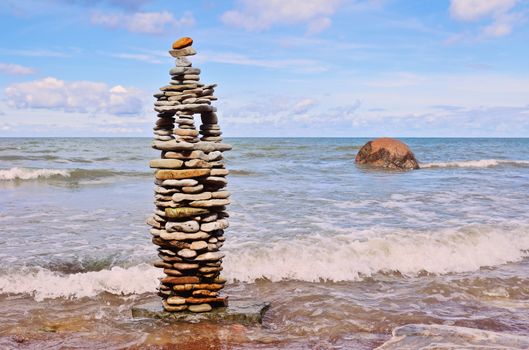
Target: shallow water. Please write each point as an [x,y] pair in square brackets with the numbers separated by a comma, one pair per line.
[344,253]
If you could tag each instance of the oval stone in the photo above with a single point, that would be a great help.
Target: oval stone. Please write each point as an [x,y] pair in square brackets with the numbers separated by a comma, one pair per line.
[182,42]
[184,212]
[176,301]
[165,163]
[187,253]
[199,308]
[199,245]
[210,256]
[173,308]
[186,226]
[180,174]
[180,183]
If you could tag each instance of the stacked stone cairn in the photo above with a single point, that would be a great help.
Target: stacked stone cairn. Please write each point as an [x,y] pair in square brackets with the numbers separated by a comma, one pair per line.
[190,197]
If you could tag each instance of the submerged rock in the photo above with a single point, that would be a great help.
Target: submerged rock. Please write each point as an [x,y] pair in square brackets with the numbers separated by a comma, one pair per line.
[387,153]
[421,336]
[238,311]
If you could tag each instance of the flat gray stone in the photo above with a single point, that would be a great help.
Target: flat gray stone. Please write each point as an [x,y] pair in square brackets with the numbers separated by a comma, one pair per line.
[186,51]
[238,311]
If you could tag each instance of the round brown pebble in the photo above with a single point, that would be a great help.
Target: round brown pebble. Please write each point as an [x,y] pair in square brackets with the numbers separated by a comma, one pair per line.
[182,42]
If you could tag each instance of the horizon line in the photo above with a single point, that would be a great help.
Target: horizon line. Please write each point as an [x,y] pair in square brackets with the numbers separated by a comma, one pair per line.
[276,137]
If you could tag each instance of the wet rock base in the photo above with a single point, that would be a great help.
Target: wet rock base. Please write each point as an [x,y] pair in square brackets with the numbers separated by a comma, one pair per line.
[443,337]
[238,311]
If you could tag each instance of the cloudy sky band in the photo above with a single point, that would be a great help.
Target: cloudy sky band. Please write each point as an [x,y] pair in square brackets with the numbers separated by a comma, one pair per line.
[349,67]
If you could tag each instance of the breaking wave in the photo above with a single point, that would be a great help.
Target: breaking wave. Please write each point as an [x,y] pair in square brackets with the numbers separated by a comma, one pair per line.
[305,258]
[482,163]
[345,258]
[31,174]
[42,283]
[72,174]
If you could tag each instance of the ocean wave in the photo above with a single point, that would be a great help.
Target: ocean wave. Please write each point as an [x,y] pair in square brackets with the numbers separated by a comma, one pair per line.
[20,157]
[43,284]
[346,258]
[347,148]
[75,160]
[270,154]
[32,174]
[482,163]
[84,263]
[238,172]
[71,174]
[305,258]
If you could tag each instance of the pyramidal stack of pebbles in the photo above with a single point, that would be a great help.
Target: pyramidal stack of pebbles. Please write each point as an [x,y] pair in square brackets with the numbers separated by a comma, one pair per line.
[190,196]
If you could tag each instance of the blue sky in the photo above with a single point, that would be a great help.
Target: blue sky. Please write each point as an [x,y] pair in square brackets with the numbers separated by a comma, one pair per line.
[284,67]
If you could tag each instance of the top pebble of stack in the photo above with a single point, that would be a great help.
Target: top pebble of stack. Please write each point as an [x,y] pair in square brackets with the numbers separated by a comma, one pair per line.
[182,42]
[182,47]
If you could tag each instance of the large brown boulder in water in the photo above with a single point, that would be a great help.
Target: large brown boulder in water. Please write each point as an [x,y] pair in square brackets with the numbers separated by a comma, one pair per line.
[387,153]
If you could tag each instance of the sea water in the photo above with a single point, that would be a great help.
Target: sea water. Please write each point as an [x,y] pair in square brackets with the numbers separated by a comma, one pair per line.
[345,253]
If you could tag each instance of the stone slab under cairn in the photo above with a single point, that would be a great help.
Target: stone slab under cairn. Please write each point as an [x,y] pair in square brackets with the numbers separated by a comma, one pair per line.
[244,312]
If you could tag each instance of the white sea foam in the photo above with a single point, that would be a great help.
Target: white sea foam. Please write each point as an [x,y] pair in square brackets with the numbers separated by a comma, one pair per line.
[306,258]
[345,258]
[93,175]
[482,163]
[31,174]
[43,283]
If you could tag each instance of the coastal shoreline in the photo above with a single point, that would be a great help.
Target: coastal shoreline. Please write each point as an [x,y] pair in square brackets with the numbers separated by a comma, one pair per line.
[345,254]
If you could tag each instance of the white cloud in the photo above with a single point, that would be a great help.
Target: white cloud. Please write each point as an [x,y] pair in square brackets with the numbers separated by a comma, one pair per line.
[119,130]
[5,127]
[319,24]
[502,25]
[272,109]
[260,15]
[292,64]
[471,10]
[298,65]
[303,106]
[475,121]
[35,52]
[454,121]
[125,5]
[370,104]
[128,5]
[15,69]
[75,96]
[500,12]
[396,80]
[351,119]
[138,57]
[143,22]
